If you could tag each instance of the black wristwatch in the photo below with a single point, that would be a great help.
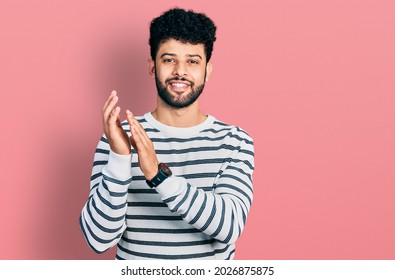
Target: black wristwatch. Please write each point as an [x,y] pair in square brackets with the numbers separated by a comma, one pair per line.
[163,172]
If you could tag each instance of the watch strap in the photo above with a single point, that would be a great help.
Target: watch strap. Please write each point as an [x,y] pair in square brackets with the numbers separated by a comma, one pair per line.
[163,173]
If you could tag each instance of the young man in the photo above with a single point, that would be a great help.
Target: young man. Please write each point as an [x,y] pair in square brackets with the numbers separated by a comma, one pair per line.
[174,183]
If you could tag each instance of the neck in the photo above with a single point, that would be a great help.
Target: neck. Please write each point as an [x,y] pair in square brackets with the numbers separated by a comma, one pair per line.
[183,117]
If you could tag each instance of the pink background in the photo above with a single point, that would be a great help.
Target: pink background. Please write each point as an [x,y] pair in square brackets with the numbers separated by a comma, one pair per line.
[313,82]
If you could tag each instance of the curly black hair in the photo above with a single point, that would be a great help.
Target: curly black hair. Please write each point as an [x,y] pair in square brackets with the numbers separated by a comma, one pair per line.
[185,26]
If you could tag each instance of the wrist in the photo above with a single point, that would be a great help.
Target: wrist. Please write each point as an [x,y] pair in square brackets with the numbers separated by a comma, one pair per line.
[151,174]
[162,173]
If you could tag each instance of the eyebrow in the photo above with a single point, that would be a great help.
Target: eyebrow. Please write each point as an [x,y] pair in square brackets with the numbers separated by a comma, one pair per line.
[190,55]
[195,55]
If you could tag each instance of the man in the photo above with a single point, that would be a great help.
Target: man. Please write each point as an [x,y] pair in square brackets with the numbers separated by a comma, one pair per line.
[174,183]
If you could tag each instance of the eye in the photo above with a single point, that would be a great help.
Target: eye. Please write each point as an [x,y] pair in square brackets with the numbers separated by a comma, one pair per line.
[192,61]
[168,60]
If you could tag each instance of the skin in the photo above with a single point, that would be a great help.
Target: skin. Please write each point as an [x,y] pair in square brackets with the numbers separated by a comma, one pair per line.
[173,60]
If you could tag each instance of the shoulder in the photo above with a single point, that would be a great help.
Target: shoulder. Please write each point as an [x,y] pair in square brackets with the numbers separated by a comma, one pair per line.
[234,131]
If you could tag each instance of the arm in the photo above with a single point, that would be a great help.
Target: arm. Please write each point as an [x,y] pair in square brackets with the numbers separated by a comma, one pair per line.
[102,219]
[221,213]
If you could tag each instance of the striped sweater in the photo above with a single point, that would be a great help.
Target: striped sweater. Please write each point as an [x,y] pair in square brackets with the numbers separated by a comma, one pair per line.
[196,213]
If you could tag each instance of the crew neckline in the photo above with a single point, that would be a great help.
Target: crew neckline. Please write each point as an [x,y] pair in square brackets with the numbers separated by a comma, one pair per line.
[207,123]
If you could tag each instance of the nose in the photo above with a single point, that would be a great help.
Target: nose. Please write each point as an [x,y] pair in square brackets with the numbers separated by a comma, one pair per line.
[180,69]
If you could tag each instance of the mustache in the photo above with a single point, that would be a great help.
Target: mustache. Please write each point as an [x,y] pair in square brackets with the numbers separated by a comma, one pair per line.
[179,79]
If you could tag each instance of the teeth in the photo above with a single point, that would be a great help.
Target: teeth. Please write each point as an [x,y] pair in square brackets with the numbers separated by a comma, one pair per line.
[179,85]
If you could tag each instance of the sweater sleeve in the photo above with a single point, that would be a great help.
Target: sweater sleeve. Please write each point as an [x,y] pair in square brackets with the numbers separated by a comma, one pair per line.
[102,220]
[221,213]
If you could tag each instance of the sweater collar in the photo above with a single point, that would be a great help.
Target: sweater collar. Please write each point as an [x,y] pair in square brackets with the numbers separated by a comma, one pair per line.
[208,122]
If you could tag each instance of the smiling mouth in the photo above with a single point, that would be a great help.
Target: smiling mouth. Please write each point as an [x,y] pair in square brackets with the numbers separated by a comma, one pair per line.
[179,86]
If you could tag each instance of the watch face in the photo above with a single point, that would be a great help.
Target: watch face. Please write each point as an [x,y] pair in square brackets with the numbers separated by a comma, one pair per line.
[165,168]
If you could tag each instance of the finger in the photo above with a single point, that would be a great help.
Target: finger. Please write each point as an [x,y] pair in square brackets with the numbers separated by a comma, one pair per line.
[118,121]
[138,137]
[136,134]
[133,122]
[114,116]
[131,139]
[136,140]
[129,118]
[113,93]
[141,129]
[110,107]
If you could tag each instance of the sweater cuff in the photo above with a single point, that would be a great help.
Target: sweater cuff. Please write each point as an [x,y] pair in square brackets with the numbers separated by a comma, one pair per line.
[172,186]
[119,166]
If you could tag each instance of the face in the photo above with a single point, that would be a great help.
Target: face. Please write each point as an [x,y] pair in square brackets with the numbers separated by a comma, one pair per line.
[180,71]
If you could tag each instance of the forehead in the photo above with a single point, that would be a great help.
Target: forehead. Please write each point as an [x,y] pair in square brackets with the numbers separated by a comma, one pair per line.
[180,49]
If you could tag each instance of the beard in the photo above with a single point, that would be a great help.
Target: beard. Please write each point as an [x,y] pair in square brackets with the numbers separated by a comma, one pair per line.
[178,102]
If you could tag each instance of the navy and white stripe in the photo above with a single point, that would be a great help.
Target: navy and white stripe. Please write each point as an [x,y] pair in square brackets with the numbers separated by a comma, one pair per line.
[198,212]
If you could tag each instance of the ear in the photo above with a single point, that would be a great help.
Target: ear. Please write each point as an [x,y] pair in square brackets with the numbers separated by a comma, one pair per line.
[209,69]
[151,67]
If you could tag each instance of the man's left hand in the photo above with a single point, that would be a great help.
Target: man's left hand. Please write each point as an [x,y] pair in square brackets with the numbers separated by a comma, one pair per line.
[144,147]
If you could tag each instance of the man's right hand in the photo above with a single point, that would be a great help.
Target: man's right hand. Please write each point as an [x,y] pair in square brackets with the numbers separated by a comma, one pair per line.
[116,136]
